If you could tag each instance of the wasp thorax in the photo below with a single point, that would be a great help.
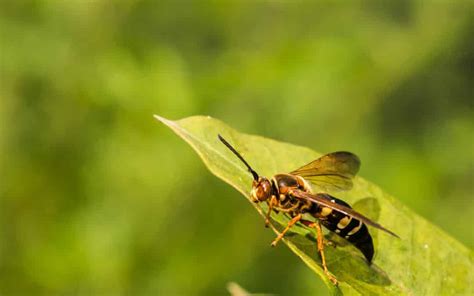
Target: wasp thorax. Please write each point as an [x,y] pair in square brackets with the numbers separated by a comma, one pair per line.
[261,190]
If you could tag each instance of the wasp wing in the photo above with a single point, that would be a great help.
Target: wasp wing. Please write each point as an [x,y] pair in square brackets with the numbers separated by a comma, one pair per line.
[333,171]
[325,201]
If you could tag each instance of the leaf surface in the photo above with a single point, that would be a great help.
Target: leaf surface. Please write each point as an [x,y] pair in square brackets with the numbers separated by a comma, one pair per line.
[424,261]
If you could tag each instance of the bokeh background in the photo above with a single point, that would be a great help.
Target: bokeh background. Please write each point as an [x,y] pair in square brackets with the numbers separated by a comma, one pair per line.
[96,197]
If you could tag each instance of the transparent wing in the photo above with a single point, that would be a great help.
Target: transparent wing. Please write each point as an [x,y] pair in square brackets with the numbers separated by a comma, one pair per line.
[325,201]
[333,171]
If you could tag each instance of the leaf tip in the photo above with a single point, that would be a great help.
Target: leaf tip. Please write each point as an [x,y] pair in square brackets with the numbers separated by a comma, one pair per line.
[163,120]
[159,118]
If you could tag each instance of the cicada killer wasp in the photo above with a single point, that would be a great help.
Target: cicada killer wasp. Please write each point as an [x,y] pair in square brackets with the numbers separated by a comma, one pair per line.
[293,195]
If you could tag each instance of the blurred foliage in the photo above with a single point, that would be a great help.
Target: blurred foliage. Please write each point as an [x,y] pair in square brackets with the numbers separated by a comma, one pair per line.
[96,197]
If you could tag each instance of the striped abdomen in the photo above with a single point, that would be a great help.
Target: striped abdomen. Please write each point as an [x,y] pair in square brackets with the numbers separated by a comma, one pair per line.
[349,228]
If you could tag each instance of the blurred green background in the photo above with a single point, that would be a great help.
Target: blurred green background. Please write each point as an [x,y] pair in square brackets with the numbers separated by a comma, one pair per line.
[97,197]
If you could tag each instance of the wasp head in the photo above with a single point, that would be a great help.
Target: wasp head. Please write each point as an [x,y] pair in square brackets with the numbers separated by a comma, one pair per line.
[261,190]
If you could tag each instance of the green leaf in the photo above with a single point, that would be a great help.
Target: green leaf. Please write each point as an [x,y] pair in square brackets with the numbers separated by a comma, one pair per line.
[424,261]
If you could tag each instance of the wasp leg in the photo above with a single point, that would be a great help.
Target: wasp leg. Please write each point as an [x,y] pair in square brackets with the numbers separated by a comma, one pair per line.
[320,240]
[321,252]
[289,210]
[291,223]
[270,208]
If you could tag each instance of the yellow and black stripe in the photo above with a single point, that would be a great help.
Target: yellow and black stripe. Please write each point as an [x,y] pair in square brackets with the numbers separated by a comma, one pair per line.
[347,227]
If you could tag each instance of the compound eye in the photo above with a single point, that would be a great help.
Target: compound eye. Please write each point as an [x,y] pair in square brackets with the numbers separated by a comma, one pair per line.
[264,190]
[266,187]
[260,192]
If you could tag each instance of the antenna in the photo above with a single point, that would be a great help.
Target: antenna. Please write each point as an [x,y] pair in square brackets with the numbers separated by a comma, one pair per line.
[254,173]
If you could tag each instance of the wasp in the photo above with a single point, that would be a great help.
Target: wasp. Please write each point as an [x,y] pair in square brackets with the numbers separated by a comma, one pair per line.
[292,194]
